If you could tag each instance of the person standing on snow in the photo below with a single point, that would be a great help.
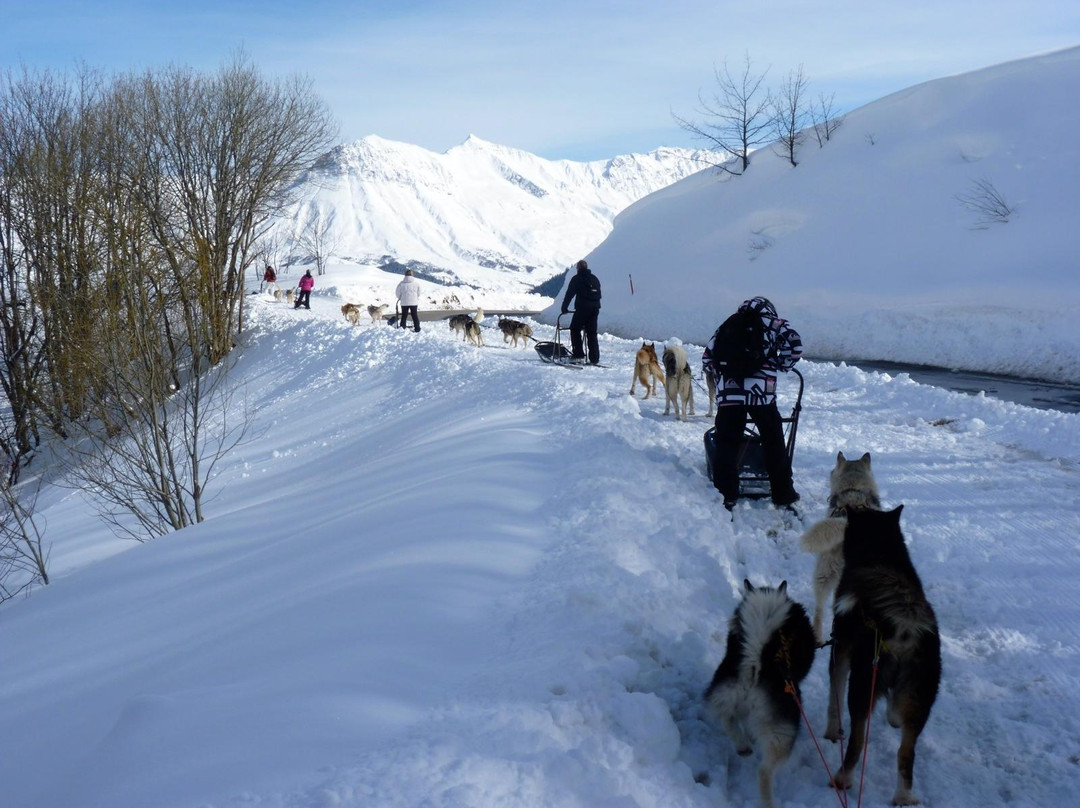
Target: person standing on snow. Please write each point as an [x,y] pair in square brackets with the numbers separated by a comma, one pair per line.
[755,397]
[269,281]
[408,295]
[586,288]
[307,283]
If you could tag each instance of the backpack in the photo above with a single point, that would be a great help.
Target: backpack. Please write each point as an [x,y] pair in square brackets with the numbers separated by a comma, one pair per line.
[738,346]
[589,293]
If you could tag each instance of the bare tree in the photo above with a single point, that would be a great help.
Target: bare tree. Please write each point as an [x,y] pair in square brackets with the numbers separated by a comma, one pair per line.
[825,117]
[225,152]
[986,202]
[789,113]
[24,556]
[318,239]
[737,119]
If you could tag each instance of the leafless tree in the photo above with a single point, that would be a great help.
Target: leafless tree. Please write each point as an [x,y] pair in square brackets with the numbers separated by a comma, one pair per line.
[986,202]
[24,556]
[790,113]
[737,119]
[825,117]
[318,239]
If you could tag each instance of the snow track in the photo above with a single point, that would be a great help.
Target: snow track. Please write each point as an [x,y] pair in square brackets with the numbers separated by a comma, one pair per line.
[592,693]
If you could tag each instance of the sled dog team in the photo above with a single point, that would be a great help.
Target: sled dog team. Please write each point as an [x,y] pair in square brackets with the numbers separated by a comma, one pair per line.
[884,641]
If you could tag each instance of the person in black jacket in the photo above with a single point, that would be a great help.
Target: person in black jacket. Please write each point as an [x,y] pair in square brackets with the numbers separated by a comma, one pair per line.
[586,288]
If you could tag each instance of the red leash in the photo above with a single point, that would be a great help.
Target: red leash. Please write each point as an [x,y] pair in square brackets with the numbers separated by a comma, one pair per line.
[840,795]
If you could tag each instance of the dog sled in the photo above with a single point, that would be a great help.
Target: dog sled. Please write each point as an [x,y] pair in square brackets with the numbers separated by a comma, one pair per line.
[753,478]
[554,352]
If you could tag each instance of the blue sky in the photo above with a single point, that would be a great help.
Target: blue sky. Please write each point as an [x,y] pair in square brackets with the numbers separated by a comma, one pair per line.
[575,79]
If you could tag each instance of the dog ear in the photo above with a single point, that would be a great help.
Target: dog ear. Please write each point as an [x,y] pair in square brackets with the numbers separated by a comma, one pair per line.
[865,458]
[840,458]
[782,588]
[749,587]
[896,512]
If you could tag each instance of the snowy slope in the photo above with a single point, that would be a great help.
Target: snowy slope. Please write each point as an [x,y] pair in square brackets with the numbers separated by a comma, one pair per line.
[449,576]
[866,237]
[486,214]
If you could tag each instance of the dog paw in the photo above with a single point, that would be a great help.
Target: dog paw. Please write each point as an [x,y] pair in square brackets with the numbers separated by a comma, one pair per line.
[841,780]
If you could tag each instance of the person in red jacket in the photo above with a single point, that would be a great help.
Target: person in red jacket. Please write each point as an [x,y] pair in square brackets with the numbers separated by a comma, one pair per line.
[307,283]
[269,281]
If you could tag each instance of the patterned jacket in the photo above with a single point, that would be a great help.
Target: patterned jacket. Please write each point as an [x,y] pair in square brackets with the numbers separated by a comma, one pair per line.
[784,348]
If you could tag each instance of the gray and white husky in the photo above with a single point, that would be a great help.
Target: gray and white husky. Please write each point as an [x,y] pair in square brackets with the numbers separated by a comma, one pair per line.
[770,646]
[678,381]
[851,485]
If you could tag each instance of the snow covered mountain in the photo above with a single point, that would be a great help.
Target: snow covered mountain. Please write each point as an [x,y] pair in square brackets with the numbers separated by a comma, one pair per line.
[478,213]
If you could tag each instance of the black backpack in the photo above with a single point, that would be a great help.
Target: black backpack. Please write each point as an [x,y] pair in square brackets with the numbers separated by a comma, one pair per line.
[738,346]
[589,293]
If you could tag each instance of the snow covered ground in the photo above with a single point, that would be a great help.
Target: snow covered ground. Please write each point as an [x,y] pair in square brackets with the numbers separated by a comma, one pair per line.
[449,576]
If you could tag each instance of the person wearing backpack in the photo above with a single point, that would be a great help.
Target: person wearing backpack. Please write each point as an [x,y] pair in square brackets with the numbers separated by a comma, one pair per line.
[744,356]
[586,288]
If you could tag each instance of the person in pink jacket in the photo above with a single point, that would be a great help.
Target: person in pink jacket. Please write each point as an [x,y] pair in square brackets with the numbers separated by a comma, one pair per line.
[307,283]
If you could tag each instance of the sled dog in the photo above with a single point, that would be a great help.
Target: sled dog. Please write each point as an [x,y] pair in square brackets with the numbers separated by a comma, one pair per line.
[515,330]
[376,312]
[679,381]
[770,644]
[459,322]
[351,312]
[710,382]
[472,333]
[290,295]
[851,485]
[646,368]
[278,295]
[881,609]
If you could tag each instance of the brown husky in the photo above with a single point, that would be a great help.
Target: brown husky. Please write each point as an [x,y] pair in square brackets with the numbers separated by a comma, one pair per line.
[646,367]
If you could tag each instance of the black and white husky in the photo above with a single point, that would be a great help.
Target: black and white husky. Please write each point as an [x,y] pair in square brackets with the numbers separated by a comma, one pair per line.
[770,644]
[881,614]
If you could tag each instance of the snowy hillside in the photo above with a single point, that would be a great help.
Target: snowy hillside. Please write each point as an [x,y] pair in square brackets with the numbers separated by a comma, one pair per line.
[866,237]
[480,214]
[453,577]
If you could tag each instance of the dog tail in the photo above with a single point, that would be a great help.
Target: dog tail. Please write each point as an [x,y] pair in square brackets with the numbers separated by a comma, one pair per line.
[823,536]
[670,365]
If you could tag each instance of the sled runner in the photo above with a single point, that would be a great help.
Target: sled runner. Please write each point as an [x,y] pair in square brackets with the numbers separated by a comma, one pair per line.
[753,478]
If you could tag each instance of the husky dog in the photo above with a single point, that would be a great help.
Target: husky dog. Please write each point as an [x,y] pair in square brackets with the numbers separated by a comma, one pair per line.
[851,485]
[376,312]
[646,367]
[459,322]
[290,295]
[679,381]
[710,382]
[881,610]
[472,333]
[278,295]
[769,645]
[515,330]
[351,312]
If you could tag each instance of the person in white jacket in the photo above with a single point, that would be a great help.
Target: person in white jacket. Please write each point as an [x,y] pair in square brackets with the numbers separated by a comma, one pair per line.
[408,295]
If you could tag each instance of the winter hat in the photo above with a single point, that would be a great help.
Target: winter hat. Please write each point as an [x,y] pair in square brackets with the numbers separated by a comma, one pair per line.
[581,265]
